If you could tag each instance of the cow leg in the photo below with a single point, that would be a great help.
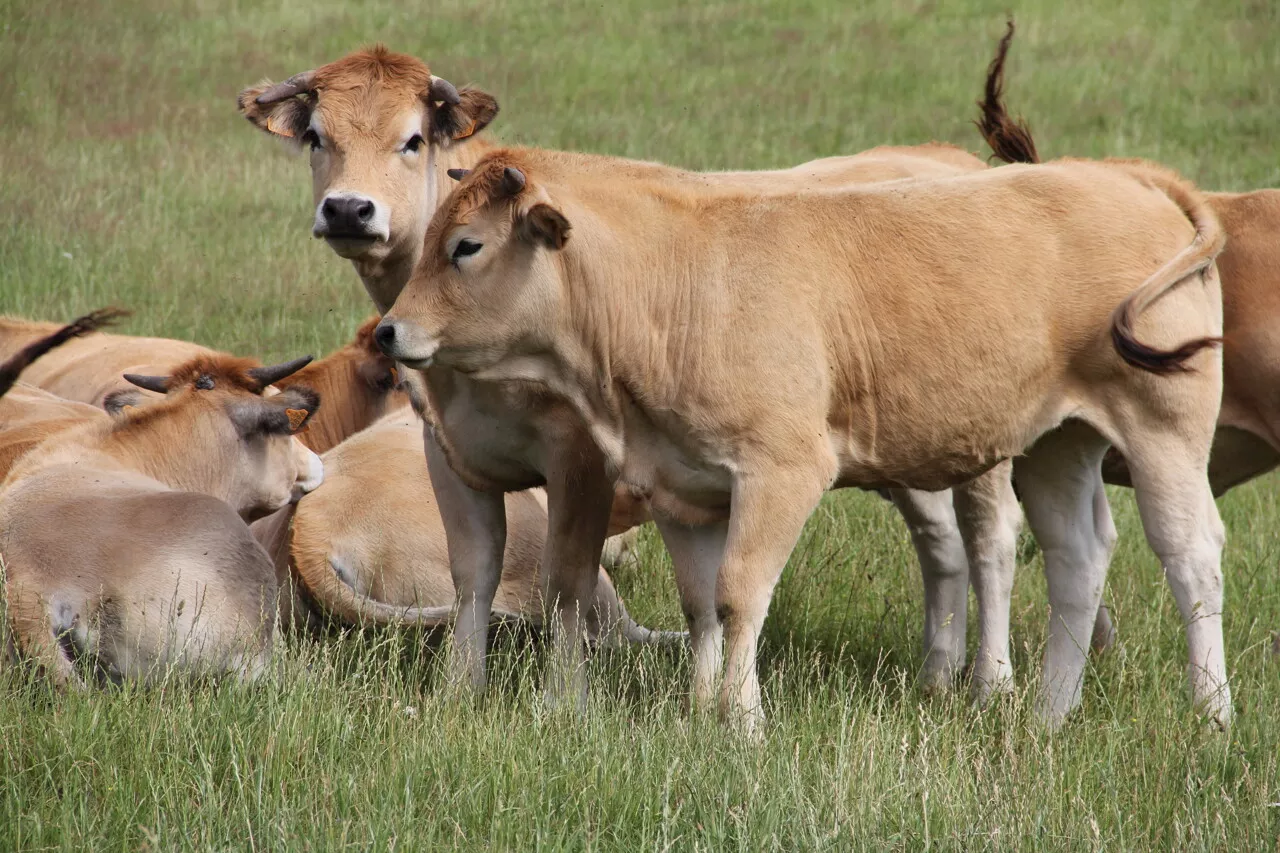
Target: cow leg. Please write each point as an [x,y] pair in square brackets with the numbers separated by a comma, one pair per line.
[579,496]
[1066,506]
[931,520]
[769,510]
[989,516]
[696,555]
[475,528]
[1182,526]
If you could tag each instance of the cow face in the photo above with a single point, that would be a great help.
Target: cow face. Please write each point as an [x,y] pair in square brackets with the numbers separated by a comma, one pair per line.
[372,122]
[488,285]
[217,433]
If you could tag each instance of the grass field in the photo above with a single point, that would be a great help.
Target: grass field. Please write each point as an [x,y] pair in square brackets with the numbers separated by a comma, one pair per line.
[127,177]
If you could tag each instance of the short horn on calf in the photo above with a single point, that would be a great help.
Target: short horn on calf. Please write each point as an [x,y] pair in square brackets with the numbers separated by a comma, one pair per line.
[158,384]
[458,174]
[274,373]
[442,90]
[512,181]
[295,85]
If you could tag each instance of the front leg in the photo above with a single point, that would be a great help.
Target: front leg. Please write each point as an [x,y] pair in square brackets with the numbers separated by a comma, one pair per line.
[579,496]
[770,506]
[475,528]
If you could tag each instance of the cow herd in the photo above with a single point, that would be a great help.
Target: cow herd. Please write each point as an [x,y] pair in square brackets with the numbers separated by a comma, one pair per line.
[582,343]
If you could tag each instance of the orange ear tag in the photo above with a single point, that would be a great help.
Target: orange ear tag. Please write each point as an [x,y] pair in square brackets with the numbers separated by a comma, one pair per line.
[395,377]
[471,128]
[278,126]
[296,417]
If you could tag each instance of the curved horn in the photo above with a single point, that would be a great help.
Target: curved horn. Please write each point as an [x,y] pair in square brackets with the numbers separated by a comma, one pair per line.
[148,383]
[274,373]
[458,174]
[296,84]
[512,181]
[442,90]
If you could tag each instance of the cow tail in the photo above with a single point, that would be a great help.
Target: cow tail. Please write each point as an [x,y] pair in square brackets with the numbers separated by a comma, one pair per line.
[1195,258]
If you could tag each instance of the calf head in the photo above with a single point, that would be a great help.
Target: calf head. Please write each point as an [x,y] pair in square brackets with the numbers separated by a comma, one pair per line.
[218,432]
[489,284]
[373,122]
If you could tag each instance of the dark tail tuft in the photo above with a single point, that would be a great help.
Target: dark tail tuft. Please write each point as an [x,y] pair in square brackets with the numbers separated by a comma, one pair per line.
[10,369]
[1155,360]
[1010,140]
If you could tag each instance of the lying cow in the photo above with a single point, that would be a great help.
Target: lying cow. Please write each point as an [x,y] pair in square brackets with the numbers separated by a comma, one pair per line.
[781,344]
[369,544]
[125,541]
[356,381]
[383,132]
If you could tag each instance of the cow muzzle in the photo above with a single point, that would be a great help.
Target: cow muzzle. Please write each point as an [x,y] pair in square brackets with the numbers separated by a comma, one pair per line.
[406,343]
[310,478]
[351,222]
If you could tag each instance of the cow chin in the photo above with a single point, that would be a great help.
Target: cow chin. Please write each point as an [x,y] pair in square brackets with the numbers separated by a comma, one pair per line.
[356,248]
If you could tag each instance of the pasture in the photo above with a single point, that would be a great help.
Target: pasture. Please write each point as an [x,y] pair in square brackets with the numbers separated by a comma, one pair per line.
[129,179]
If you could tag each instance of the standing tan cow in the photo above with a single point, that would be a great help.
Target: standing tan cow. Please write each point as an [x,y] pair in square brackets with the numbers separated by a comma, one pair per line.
[374,193]
[1247,441]
[124,541]
[737,353]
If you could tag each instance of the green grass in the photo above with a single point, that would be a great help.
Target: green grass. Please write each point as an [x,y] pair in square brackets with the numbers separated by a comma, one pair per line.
[127,177]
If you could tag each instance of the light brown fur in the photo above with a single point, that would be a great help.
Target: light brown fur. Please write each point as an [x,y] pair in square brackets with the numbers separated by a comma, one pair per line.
[369,544]
[123,538]
[914,333]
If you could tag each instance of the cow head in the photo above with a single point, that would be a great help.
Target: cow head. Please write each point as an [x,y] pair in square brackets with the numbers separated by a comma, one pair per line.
[488,284]
[219,433]
[372,122]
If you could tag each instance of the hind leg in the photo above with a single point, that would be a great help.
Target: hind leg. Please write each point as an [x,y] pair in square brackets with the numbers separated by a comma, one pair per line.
[931,520]
[989,517]
[1061,484]
[1182,526]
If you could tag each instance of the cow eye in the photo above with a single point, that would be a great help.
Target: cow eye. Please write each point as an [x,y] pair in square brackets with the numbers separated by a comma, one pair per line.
[310,137]
[465,248]
[414,143]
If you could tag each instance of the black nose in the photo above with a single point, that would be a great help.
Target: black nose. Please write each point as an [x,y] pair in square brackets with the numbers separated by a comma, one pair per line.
[346,215]
[385,336]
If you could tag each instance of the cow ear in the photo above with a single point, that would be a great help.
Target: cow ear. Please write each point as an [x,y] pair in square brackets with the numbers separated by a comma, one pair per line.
[454,123]
[120,400]
[286,413]
[288,118]
[543,225]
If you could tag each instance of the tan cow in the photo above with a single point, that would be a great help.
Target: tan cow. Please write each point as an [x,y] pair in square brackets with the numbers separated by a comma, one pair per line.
[737,353]
[124,542]
[355,114]
[369,544]
[1247,441]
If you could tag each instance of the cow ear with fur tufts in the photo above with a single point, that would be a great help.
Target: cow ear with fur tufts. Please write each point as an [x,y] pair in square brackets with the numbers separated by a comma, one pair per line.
[120,400]
[543,225]
[451,123]
[286,413]
[276,109]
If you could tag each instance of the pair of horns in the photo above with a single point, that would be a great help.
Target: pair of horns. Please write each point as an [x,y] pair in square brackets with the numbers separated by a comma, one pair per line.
[264,376]
[439,90]
[512,179]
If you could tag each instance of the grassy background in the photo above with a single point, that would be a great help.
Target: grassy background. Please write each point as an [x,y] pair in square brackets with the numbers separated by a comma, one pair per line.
[128,177]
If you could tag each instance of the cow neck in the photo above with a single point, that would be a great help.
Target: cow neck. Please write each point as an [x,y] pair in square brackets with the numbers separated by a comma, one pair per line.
[383,280]
[616,332]
[349,403]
